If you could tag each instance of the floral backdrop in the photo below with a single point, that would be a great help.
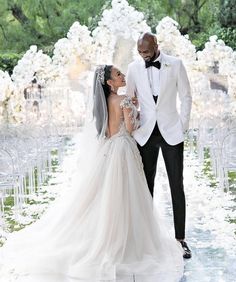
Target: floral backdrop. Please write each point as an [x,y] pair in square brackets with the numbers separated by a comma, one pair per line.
[63,82]
[47,93]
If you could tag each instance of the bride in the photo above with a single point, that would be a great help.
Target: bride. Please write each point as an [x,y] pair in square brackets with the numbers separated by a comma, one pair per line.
[105,228]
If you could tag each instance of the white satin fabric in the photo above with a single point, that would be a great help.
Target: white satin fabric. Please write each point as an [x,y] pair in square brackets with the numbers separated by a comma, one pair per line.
[102,229]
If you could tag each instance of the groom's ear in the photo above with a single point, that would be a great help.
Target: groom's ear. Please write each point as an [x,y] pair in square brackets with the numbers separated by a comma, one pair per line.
[155,42]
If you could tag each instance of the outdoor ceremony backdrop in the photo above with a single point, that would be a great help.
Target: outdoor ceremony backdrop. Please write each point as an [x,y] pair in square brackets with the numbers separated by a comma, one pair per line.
[43,22]
[49,52]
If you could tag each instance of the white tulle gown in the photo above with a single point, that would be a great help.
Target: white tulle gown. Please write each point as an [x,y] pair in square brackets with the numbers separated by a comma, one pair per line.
[104,229]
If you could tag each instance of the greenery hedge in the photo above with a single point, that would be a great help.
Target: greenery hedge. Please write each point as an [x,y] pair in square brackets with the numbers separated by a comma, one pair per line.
[8,61]
[228,35]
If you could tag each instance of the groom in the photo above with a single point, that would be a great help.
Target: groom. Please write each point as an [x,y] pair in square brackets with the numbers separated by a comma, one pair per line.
[155,80]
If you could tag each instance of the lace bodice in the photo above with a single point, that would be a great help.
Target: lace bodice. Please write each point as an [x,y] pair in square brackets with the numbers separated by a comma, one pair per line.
[128,104]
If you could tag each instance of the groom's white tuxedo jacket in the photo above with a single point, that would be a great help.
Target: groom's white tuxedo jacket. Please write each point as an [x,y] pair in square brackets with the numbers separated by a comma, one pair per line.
[173,79]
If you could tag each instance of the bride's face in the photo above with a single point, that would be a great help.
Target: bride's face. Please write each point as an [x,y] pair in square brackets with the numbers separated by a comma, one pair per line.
[117,78]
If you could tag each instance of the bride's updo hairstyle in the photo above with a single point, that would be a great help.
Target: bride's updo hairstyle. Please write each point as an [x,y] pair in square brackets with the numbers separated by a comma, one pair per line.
[107,76]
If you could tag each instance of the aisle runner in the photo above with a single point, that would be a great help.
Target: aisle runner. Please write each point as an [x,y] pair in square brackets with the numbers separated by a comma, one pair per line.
[211,237]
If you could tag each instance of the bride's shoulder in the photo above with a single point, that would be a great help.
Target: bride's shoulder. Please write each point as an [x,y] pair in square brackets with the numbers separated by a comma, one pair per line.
[114,101]
[121,101]
[126,101]
[116,98]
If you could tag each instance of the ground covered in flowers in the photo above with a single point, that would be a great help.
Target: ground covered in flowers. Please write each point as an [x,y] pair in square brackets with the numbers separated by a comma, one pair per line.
[211,228]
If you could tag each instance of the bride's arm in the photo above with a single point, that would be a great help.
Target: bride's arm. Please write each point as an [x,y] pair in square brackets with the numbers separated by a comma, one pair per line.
[130,114]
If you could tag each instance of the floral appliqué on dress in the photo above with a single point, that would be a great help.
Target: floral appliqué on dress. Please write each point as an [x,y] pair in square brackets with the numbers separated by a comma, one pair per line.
[128,104]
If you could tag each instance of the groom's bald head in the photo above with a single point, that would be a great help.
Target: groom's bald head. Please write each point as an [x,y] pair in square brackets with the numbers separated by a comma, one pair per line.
[147,46]
[147,36]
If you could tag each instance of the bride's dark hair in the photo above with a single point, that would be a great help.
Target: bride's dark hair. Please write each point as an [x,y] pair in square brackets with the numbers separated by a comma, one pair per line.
[107,76]
[101,92]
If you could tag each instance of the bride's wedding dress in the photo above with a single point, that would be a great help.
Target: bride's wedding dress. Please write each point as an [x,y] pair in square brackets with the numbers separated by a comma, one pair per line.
[104,229]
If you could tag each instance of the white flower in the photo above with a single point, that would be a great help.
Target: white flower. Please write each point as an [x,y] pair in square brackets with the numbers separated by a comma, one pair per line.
[77,44]
[166,64]
[213,38]
[34,64]
[6,86]
[172,42]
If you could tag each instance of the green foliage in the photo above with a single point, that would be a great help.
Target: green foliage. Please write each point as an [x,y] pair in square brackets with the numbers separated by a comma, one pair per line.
[227,13]
[27,22]
[200,39]
[196,18]
[153,11]
[8,61]
[224,10]
[228,35]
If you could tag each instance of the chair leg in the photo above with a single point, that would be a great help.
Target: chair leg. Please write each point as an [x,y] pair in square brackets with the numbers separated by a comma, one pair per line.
[226,180]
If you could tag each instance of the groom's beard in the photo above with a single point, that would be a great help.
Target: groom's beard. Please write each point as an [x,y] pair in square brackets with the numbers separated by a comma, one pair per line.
[153,57]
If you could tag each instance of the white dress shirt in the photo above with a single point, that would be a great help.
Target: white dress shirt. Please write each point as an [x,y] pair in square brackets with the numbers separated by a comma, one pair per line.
[154,78]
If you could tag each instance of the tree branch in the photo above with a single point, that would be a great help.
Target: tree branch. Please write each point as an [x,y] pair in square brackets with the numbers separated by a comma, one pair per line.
[190,15]
[203,3]
[18,14]
[3,32]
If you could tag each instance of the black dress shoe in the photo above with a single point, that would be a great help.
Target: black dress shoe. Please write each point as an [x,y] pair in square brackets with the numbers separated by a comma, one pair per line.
[187,253]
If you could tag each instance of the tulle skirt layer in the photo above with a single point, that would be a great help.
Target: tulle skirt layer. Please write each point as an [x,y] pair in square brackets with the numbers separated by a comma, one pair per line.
[102,229]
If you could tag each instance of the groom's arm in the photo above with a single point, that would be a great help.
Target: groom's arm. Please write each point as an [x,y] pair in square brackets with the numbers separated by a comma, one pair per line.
[184,96]
[130,83]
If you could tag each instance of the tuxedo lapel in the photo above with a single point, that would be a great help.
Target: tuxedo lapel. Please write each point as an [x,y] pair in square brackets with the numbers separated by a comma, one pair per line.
[165,64]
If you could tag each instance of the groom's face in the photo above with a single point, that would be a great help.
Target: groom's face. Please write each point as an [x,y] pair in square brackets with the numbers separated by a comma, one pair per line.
[147,50]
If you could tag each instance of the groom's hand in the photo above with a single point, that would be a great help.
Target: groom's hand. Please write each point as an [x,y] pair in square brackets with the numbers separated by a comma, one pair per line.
[135,101]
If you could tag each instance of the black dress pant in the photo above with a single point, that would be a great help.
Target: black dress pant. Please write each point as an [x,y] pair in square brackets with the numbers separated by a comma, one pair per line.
[173,158]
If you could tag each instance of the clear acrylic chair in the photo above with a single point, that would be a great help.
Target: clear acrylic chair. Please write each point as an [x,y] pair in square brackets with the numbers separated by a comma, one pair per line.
[227,159]
[205,137]
[10,180]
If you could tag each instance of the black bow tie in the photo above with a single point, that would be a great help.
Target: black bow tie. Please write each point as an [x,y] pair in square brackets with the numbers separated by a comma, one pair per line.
[156,64]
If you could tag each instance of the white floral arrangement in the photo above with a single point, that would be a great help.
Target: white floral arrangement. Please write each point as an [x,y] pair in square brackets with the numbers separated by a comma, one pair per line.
[111,42]
[122,21]
[16,107]
[6,90]
[78,43]
[104,45]
[11,101]
[6,86]
[217,55]
[81,38]
[34,64]
[215,51]
[173,43]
